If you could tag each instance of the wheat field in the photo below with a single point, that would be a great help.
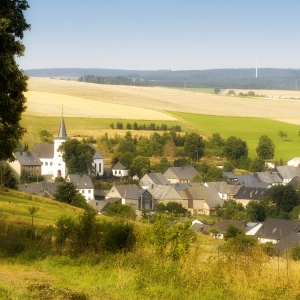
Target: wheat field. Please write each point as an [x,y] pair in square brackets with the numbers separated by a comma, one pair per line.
[46,96]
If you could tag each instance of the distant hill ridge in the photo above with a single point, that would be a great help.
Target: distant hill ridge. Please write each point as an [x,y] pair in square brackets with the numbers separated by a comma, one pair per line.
[268,78]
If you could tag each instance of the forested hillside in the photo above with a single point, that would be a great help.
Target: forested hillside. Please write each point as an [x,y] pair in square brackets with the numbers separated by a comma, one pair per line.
[284,79]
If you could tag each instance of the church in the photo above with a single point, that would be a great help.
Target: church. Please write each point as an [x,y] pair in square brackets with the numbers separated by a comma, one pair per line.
[45,159]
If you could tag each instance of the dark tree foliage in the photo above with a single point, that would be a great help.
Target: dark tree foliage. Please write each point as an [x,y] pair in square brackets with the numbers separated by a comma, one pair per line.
[12,81]
[231,210]
[284,197]
[78,156]
[162,166]
[257,165]
[121,210]
[172,207]
[194,145]
[266,148]
[67,193]
[235,148]
[7,178]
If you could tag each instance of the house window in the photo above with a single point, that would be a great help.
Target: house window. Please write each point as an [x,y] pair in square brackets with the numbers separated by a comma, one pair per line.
[89,191]
[51,164]
[116,171]
[46,163]
[119,172]
[100,168]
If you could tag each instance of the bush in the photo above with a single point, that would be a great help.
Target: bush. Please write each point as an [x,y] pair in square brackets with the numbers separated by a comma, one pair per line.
[295,252]
[119,236]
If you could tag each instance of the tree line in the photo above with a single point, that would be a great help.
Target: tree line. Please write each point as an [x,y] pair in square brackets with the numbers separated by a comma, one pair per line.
[151,126]
[118,80]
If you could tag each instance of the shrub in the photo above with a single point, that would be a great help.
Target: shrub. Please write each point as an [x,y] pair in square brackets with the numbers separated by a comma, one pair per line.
[119,236]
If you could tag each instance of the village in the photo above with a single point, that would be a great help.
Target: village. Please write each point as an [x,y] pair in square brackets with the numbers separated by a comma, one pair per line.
[179,185]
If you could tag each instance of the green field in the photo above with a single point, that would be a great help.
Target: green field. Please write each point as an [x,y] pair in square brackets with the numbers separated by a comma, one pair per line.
[14,208]
[248,129]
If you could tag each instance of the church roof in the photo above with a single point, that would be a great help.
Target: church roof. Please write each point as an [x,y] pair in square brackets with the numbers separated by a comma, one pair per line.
[43,150]
[62,133]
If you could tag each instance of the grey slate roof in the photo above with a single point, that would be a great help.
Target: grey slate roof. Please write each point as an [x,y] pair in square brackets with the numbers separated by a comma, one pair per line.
[62,133]
[289,241]
[43,189]
[182,173]
[81,181]
[122,189]
[119,166]
[277,228]
[97,154]
[250,193]
[223,224]
[43,150]
[287,172]
[268,177]
[179,186]
[133,193]
[158,178]
[26,158]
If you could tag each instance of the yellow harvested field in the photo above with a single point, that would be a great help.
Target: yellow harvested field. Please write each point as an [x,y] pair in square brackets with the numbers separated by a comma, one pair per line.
[51,104]
[96,100]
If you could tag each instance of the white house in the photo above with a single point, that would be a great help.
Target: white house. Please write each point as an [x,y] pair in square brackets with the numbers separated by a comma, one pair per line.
[118,170]
[83,184]
[295,162]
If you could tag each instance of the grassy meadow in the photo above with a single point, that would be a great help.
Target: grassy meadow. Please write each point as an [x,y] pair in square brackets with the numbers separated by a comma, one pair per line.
[33,266]
[14,208]
[248,129]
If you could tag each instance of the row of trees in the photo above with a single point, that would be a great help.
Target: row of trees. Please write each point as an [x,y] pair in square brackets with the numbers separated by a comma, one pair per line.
[283,202]
[151,126]
[118,80]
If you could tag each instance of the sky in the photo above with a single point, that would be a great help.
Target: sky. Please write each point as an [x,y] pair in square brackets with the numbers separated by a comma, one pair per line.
[162,34]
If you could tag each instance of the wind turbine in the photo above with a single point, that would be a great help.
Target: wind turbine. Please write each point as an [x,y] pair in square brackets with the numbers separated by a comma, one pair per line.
[255,53]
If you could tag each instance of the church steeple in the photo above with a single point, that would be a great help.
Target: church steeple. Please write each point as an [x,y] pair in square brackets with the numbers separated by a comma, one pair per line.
[62,130]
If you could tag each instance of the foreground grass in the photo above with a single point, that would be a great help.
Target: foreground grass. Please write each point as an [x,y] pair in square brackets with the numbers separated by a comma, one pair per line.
[204,274]
[42,269]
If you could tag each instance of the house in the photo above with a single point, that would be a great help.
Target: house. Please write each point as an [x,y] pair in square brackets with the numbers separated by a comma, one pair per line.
[287,173]
[180,174]
[27,164]
[139,199]
[51,159]
[249,180]
[274,230]
[247,194]
[131,195]
[118,170]
[165,194]
[151,180]
[101,206]
[83,184]
[118,191]
[272,178]
[203,198]
[295,162]
[43,189]
[223,225]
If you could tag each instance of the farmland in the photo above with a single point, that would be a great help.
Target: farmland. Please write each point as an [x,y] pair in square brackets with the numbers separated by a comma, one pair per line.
[161,99]
[89,109]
